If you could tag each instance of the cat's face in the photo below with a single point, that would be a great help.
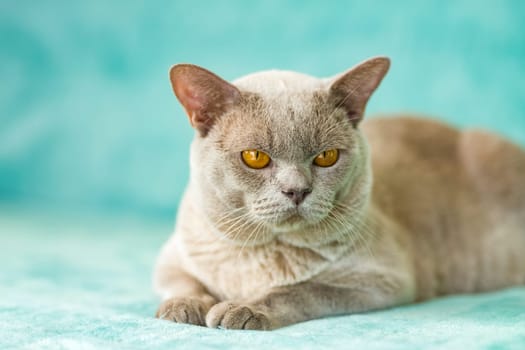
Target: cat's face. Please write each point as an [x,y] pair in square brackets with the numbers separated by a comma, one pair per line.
[266,157]
[278,153]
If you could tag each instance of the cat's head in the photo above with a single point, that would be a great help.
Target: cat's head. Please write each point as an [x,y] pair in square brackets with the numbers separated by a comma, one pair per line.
[279,153]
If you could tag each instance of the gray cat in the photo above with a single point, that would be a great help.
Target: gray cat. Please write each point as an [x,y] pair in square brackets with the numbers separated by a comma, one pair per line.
[297,210]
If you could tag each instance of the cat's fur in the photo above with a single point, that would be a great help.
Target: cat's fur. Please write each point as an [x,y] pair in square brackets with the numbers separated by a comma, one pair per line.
[444,213]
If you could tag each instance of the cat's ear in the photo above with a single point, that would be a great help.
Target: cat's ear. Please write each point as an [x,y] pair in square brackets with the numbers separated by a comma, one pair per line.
[352,89]
[204,95]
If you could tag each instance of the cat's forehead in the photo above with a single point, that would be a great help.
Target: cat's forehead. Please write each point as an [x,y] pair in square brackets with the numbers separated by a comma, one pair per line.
[276,82]
[295,124]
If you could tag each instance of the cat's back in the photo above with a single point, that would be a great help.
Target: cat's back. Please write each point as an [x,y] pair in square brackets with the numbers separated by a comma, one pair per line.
[423,154]
[456,193]
[411,159]
[412,138]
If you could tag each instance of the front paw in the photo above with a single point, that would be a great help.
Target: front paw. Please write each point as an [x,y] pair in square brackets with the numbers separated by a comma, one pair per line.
[231,315]
[183,310]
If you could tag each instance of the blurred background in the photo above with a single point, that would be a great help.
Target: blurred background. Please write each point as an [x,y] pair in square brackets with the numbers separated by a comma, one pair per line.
[88,121]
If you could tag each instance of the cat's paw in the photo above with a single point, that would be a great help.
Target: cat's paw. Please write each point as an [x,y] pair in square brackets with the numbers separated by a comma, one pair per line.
[231,315]
[183,310]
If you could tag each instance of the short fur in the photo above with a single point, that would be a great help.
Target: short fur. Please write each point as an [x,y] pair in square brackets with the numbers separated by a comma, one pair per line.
[445,212]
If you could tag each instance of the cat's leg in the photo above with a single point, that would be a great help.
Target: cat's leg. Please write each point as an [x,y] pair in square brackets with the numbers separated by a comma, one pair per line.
[185,299]
[308,300]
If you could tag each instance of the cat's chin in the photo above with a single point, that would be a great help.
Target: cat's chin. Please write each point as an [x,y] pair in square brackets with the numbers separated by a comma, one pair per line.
[293,222]
[289,225]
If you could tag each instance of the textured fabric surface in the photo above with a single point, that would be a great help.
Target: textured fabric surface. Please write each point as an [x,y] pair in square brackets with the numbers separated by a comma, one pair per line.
[87,286]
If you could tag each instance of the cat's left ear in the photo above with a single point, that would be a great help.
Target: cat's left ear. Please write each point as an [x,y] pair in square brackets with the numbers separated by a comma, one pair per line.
[352,90]
[204,95]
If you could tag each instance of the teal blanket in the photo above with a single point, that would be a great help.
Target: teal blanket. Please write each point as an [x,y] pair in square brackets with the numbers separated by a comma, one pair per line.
[87,286]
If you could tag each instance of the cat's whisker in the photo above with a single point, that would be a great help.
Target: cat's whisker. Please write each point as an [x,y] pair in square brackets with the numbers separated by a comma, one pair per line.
[333,227]
[325,227]
[353,228]
[224,232]
[339,227]
[233,226]
[235,216]
[364,242]
[256,239]
[257,227]
[230,215]
[238,229]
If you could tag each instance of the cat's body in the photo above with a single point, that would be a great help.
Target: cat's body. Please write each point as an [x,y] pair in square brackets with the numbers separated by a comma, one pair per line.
[411,209]
[459,197]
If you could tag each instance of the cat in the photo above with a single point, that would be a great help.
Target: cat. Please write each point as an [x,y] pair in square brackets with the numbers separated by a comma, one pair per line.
[298,209]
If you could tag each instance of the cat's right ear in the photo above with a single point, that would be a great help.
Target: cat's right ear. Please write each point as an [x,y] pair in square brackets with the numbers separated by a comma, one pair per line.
[352,90]
[204,95]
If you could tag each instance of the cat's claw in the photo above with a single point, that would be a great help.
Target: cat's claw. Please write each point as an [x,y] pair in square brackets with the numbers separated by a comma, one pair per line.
[183,310]
[231,315]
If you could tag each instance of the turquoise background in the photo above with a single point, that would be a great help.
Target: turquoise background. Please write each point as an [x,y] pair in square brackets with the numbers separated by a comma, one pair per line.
[88,121]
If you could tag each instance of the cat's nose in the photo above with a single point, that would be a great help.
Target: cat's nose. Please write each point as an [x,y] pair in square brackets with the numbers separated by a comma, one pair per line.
[297,195]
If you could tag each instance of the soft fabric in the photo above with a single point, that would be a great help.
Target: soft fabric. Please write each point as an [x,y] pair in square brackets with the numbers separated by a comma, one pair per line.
[87,286]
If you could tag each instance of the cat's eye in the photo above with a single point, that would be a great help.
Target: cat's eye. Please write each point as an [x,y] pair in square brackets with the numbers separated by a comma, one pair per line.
[327,158]
[255,159]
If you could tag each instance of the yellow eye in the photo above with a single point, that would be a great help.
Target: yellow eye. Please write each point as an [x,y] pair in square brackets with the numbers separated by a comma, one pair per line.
[255,159]
[327,158]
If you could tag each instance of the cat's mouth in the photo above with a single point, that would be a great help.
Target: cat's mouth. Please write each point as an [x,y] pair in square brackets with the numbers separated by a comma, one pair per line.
[283,218]
[293,221]
[289,220]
